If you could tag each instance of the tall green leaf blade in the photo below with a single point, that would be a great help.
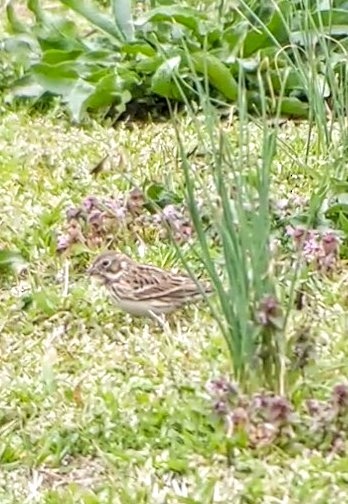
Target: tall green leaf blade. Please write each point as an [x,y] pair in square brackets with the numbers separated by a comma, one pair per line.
[87,10]
[16,25]
[52,25]
[122,10]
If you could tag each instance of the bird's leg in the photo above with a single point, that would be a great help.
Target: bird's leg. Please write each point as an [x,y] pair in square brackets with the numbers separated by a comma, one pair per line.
[161,319]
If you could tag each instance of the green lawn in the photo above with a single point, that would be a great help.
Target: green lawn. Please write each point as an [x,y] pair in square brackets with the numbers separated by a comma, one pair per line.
[98,407]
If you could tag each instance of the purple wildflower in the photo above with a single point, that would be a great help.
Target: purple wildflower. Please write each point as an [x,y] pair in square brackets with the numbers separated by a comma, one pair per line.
[268,310]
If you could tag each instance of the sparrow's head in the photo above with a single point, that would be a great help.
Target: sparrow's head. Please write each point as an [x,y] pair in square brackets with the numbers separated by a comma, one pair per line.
[109,266]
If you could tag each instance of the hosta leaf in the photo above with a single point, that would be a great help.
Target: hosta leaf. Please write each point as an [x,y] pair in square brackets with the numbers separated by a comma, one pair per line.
[98,74]
[163,82]
[149,65]
[56,79]
[23,48]
[294,107]
[292,78]
[274,33]
[219,75]
[138,48]
[182,15]
[77,98]
[54,56]
[87,10]
[102,59]
[106,92]
[25,88]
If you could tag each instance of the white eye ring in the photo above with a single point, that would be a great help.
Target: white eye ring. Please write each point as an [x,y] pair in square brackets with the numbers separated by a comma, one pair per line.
[105,263]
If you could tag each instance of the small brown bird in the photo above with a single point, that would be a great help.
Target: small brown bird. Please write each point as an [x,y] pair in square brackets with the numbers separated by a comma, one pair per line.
[141,289]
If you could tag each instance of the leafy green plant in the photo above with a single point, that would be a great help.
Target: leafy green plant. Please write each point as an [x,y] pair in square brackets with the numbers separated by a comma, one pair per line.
[290,47]
[254,306]
[10,260]
[249,313]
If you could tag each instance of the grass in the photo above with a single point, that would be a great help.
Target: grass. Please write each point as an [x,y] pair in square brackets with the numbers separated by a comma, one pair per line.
[99,407]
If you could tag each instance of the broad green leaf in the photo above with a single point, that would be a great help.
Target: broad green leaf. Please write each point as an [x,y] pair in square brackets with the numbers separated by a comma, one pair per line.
[294,107]
[149,65]
[10,259]
[174,13]
[98,74]
[102,56]
[274,33]
[163,82]
[106,92]
[117,100]
[51,40]
[234,36]
[77,98]
[25,88]
[57,79]
[46,302]
[23,48]
[292,78]
[87,10]
[336,209]
[54,56]
[343,222]
[129,77]
[138,48]
[339,186]
[157,195]
[219,75]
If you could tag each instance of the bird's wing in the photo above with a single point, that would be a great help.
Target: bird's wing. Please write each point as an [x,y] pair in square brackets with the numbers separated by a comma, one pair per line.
[169,286]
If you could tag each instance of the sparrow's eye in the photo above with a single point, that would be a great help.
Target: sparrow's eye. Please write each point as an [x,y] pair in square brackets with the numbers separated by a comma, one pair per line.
[105,263]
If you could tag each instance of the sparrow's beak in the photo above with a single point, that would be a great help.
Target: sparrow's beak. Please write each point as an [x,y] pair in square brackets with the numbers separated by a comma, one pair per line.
[90,271]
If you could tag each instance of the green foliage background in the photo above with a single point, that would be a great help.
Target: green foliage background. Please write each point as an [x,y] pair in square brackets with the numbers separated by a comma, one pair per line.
[97,58]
